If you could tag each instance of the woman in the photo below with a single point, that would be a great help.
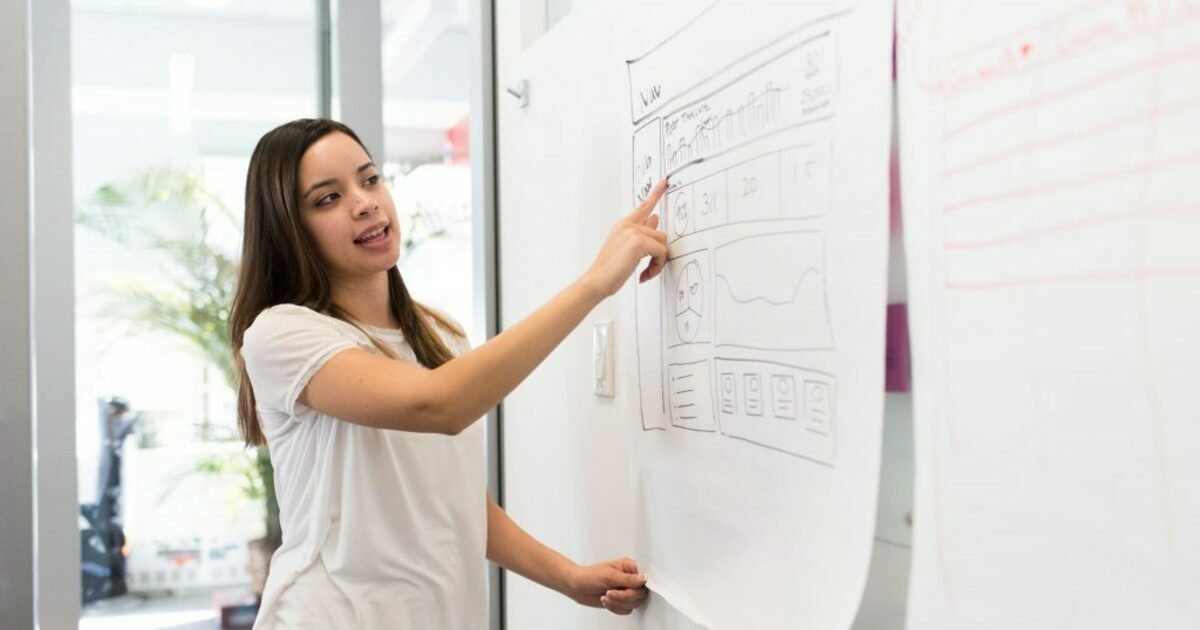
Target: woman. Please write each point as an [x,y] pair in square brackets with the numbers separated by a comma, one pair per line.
[368,401]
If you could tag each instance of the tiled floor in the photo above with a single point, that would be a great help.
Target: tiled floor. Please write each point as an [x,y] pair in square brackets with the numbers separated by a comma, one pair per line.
[187,611]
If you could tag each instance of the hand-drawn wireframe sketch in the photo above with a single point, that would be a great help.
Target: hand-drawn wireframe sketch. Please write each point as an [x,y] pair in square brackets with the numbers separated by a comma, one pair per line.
[748,153]
[759,346]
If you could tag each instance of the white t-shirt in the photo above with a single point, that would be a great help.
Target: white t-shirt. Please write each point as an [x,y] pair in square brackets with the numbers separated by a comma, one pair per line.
[381,529]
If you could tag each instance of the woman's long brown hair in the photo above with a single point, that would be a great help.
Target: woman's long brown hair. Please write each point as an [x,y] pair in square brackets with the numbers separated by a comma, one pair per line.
[280,263]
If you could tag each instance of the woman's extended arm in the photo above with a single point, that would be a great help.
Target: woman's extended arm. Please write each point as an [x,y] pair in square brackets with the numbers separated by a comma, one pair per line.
[616,585]
[364,388]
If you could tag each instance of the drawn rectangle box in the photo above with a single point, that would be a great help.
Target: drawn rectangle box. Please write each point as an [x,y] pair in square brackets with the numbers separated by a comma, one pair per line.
[769,292]
[781,185]
[804,181]
[690,395]
[647,158]
[783,396]
[818,406]
[727,388]
[794,88]
[753,189]
[752,394]
[783,407]
[709,198]
[649,308]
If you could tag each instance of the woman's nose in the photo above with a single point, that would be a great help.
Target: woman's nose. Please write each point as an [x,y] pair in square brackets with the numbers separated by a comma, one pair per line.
[363,205]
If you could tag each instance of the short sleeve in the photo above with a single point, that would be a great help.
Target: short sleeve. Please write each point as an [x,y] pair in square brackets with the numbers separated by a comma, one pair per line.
[284,348]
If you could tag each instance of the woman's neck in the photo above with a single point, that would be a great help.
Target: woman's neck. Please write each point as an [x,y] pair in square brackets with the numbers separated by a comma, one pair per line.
[366,300]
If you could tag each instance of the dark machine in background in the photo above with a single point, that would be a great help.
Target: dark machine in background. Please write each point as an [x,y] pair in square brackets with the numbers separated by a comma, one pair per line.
[101,536]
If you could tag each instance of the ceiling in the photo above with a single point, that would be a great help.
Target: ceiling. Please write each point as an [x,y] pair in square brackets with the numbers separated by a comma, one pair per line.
[424,50]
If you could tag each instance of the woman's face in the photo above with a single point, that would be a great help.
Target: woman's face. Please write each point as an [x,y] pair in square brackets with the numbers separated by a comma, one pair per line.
[347,209]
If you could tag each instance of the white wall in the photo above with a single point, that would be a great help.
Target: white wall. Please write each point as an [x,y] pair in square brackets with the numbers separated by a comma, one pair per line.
[566,473]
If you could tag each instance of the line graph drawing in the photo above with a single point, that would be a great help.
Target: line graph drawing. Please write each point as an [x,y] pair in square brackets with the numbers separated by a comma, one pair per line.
[787,310]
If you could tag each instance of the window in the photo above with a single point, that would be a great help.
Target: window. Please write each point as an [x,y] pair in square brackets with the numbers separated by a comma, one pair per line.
[426,89]
[163,127]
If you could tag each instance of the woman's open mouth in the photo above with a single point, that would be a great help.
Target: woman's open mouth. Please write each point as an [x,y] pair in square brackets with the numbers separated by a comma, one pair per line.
[375,238]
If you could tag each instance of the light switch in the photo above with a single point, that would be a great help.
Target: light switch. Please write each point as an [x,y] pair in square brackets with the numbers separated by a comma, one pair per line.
[602,358]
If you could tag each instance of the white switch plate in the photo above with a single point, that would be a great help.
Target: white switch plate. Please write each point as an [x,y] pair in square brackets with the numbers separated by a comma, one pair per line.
[602,358]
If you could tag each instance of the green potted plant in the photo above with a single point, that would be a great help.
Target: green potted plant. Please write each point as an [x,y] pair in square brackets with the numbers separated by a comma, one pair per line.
[192,236]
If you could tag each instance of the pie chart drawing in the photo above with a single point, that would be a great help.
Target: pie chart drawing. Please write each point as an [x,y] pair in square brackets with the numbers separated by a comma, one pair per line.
[689,301]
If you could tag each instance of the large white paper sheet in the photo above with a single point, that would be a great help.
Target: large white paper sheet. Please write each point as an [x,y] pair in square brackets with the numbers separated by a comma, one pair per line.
[1050,153]
[760,350]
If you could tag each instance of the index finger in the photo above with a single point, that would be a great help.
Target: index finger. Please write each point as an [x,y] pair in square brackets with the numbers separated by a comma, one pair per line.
[644,210]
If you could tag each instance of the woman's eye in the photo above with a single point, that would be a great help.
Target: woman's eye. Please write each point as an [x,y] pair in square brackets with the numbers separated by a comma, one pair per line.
[327,199]
[372,180]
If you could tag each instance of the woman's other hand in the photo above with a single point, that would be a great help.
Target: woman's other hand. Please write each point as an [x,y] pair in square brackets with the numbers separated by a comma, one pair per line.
[630,240]
[615,585]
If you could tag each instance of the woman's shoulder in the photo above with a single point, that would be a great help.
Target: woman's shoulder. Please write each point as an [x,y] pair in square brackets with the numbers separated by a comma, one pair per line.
[288,315]
[289,319]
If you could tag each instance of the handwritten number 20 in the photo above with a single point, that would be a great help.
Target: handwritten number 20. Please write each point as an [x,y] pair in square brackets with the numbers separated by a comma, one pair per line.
[749,186]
